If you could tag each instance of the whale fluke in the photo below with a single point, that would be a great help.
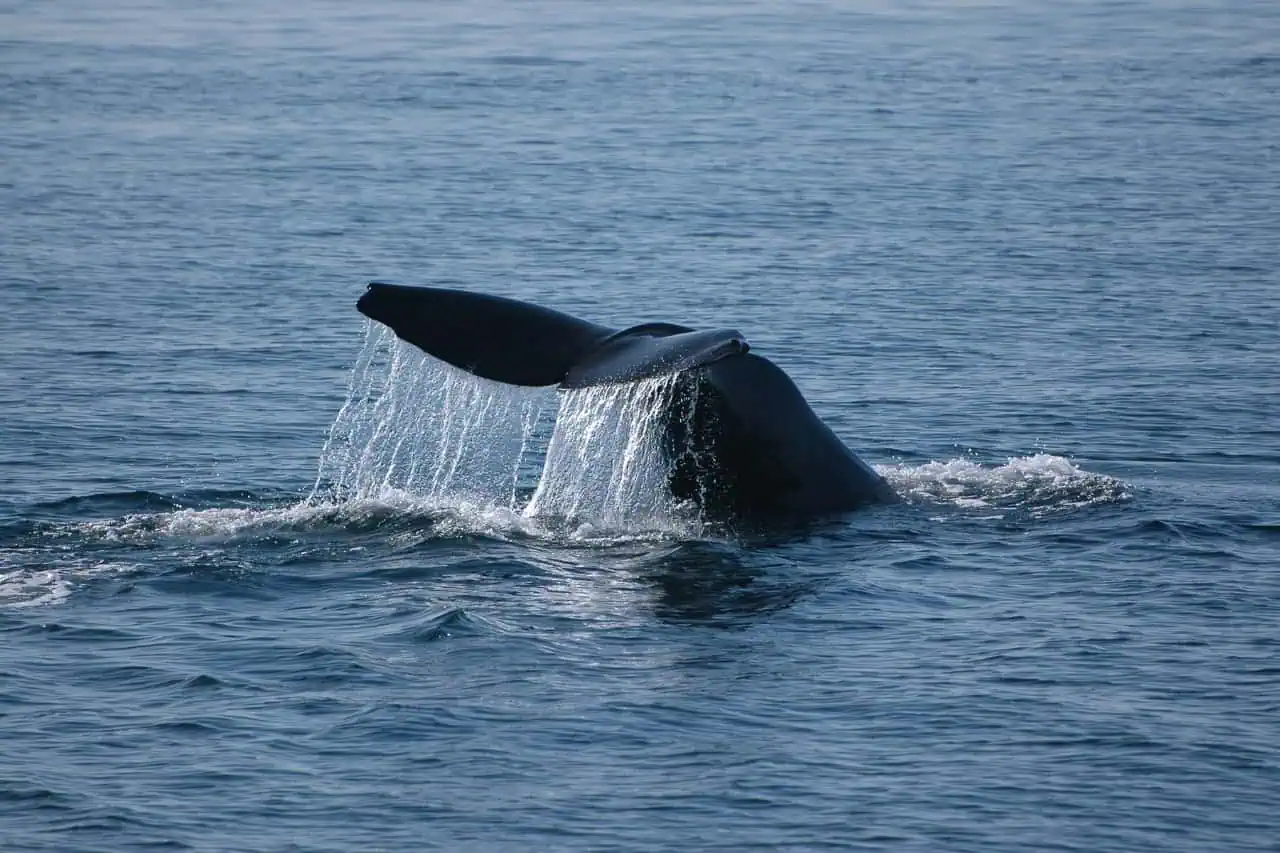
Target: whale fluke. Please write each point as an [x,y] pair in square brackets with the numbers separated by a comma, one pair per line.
[742,441]
[496,338]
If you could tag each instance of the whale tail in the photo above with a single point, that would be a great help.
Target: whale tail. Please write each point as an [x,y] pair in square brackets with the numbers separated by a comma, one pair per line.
[521,344]
[495,338]
[741,438]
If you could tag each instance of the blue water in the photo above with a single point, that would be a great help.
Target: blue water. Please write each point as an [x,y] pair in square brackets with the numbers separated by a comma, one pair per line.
[1023,258]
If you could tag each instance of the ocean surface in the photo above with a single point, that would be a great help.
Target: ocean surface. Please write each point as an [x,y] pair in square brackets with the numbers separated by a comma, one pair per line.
[271,581]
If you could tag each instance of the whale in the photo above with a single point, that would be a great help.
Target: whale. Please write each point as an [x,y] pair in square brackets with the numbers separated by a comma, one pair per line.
[740,440]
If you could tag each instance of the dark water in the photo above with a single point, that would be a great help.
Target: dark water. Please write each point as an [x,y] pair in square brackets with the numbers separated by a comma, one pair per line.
[1023,258]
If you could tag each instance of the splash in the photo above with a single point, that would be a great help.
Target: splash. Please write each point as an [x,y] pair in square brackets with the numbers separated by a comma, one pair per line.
[1039,485]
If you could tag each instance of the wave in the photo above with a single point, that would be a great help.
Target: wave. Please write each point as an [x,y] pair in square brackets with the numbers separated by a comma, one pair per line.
[108,502]
[114,504]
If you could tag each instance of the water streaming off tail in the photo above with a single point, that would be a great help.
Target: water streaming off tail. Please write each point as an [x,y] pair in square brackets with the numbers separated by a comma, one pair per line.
[606,460]
[414,429]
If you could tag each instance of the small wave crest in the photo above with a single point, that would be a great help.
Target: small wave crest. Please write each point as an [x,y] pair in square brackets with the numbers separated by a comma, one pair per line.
[1039,485]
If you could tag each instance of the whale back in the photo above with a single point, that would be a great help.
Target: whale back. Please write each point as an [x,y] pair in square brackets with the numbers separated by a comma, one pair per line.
[745,443]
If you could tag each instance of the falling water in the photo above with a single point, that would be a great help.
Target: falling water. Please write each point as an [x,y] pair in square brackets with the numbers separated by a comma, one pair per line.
[606,460]
[415,430]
